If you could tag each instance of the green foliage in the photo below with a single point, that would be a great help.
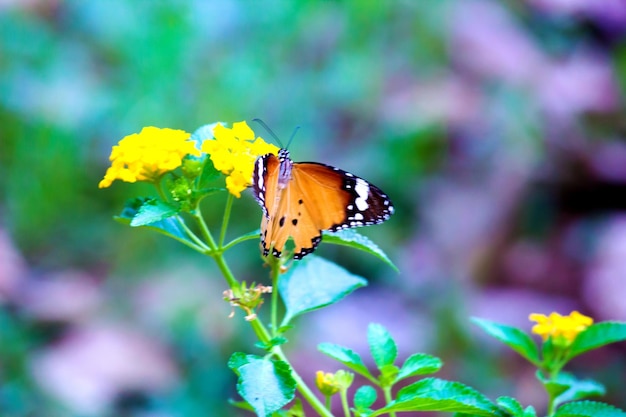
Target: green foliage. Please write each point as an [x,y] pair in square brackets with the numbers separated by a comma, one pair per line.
[347,357]
[566,387]
[266,384]
[382,346]
[511,406]
[314,283]
[433,394]
[153,211]
[588,409]
[353,239]
[512,337]
[598,335]
[419,364]
[165,225]
[364,397]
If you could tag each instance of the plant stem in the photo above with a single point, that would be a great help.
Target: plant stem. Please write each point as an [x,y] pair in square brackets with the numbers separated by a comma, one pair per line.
[227,210]
[223,266]
[204,229]
[275,275]
[258,327]
[344,402]
[388,399]
[303,389]
[203,246]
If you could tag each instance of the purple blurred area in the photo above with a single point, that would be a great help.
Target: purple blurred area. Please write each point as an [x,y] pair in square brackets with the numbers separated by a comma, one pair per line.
[497,128]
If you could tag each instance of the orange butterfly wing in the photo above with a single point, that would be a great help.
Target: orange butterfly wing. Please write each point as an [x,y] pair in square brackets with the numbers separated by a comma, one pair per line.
[303,199]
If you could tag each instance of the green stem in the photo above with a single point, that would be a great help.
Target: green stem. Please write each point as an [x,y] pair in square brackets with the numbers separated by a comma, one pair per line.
[223,266]
[550,409]
[200,246]
[159,188]
[388,399]
[203,246]
[344,402]
[303,389]
[227,210]
[275,275]
[262,334]
[249,236]
[328,402]
[204,229]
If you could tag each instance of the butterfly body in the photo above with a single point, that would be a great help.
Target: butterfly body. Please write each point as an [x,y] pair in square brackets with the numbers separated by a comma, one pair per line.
[301,199]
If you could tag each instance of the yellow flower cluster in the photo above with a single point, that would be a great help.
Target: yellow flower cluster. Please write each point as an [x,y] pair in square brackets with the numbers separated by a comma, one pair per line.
[146,155]
[560,328]
[234,151]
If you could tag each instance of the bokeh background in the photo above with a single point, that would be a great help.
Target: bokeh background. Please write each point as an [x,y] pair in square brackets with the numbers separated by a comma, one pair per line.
[497,127]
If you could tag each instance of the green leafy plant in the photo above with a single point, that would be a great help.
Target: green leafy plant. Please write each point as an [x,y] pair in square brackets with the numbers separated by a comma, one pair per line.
[186,169]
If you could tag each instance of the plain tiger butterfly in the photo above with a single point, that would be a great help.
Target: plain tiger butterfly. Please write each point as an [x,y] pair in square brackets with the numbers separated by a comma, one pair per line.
[302,199]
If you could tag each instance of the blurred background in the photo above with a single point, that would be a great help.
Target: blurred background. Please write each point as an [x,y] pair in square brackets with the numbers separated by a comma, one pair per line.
[496,127]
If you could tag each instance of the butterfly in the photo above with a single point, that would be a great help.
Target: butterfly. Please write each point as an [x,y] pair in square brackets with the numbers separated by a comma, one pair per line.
[302,199]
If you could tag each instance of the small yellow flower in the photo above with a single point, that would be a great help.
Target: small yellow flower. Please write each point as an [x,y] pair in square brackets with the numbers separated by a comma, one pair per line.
[330,384]
[147,155]
[562,329]
[234,151]
[325,382]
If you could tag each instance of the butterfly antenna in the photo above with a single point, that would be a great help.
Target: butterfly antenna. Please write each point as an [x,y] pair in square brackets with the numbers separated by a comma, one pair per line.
[266,127]
[293,135]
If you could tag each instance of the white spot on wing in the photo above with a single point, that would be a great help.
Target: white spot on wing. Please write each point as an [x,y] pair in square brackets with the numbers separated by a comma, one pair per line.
[363,190]
[259,167]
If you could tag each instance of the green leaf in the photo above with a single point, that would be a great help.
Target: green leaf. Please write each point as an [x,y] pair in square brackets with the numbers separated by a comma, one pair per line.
[296,410]
[566,387]
[419,364]
[208,174]
[598,335]
[169,226]
[267,385]
[512,337]
[511,406]
[353,239]
[382,346]
[152,211]
[530,411]
[346,356]
[588,409]
[433,394]
[276,341]
[241,404]
[315,283]
[364,397]
[555,386]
